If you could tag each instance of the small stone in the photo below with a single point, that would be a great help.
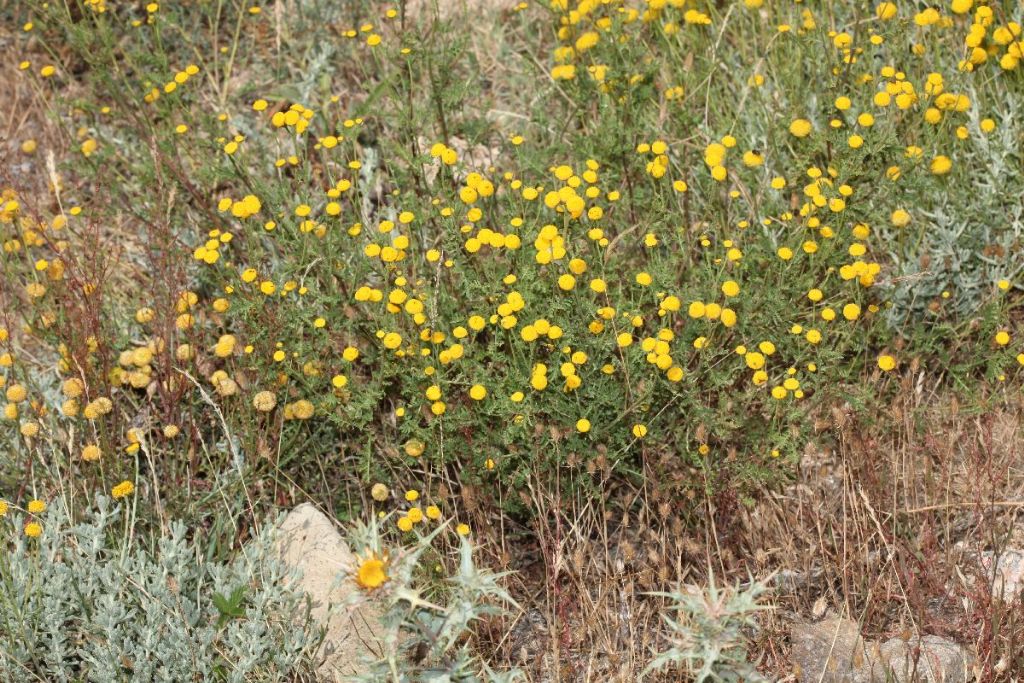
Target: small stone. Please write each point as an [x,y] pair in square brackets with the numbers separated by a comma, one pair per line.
[930,659]
[1009,574]
[832,651]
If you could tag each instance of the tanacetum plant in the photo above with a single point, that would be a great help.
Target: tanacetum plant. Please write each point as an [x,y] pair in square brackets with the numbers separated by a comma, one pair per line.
[661,281]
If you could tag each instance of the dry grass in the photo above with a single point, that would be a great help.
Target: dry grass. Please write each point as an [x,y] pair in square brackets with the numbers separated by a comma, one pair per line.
[885,524]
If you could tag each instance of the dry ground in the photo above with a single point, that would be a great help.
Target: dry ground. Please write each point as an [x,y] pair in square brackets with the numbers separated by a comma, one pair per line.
[886,523]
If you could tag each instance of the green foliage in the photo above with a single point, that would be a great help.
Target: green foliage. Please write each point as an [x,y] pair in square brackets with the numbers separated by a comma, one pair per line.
[651,240]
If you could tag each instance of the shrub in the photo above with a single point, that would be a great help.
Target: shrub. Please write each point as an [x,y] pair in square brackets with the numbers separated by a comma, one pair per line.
[690,227]
[90,601]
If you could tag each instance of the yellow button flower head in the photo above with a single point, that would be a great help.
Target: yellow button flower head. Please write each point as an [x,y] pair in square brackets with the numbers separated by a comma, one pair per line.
[122,490]
[885,10]
[800,128]
[900,218]
[36,506]
[264,401]
[941,165]
[371,573]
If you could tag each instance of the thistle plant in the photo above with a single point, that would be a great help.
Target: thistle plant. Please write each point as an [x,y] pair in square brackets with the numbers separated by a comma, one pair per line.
[427,632]
[708,640]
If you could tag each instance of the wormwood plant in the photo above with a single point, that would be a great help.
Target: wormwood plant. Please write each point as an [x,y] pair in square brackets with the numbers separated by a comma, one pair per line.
[93,602]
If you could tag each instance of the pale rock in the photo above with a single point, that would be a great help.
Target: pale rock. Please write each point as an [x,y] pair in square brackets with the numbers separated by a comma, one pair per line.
[1009,574]
[309,542]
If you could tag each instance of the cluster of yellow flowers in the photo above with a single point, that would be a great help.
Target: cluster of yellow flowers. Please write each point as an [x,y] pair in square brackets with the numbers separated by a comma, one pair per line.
[35,508]
[674,258]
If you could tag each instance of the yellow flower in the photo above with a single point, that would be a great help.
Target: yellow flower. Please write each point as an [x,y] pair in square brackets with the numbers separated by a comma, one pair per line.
[302,409]
[462,530]
[371,573]
[583,425]
[886,363]
[639,430]
[885,10]
[264,401]
[122,490]
[900,218]
[941,165]
[800,128]
[36,507]
[33,529]
[379,492]
[1002,337]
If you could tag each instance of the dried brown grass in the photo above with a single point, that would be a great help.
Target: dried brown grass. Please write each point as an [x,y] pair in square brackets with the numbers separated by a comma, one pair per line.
[884,523]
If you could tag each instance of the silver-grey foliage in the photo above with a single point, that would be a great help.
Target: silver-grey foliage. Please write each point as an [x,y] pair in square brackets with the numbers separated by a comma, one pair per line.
[708,637]
[426,642]
[80,603]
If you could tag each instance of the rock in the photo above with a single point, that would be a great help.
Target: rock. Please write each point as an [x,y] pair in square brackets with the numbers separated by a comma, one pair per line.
[1009,574]
[931,658]
[309,542]
[833,651]
[528,639]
